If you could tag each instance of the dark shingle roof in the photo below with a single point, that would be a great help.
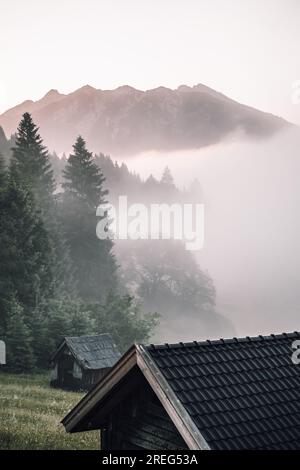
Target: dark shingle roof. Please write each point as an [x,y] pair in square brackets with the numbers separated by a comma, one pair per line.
[241,393]
[94,352]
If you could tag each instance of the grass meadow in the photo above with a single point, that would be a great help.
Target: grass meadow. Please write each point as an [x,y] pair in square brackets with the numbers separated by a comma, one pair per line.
[30,415]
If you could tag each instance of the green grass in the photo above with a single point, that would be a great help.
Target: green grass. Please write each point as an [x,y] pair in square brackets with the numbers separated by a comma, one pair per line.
[30,415]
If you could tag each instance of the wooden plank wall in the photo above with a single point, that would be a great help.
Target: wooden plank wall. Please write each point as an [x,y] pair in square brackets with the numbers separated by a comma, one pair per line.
[140,422]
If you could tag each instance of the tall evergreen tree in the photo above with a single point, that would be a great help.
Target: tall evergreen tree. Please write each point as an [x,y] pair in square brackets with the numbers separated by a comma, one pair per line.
[3,173]
[122,317]
[31,167]
[83,178]
[30,161]
[3,306]
[93,261]
[167,177]
[18,340]
[25,251]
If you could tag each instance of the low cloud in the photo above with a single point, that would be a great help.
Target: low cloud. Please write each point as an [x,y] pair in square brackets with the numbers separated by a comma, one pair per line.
[251,193]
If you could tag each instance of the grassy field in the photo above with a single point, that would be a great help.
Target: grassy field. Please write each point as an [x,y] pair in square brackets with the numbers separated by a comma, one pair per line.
[30,414]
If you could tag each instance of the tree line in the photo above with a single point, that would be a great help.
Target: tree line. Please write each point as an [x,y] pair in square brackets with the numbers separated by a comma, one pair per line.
[56,277]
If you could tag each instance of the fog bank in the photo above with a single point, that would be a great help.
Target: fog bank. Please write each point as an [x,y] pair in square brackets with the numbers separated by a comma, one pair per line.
[251,194]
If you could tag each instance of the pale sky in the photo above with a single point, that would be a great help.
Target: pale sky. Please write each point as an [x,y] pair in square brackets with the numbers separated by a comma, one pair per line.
[247,49]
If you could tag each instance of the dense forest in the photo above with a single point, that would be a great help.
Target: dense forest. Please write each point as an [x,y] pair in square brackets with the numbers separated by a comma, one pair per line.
[57,278]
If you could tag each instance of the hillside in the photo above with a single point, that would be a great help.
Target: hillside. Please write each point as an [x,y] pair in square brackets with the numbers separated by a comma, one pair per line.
[126,121]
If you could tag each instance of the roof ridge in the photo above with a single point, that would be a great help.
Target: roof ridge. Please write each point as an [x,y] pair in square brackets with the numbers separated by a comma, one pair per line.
[87,336]
[234,340]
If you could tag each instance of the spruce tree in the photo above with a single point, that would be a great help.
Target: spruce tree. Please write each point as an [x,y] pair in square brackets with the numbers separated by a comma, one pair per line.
[167,177]
[31,163]
[81,323]
[31,167]
[93,261]
[122,317]
[25,251]
[83,178]
[18,340]
[41,337]
[3,174]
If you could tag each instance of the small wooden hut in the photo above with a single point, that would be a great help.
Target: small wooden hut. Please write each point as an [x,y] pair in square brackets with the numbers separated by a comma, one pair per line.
[234,394]
[81,361]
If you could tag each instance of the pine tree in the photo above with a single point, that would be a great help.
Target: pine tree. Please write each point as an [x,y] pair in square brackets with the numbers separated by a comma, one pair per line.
[151,181]
[122,317]
[58,314]
[167,177]
[93,261]
[53,320]
[80,322]
[25,251]
[41,337]
[3,174]
[30,162]
[83,179]
[3,239]
[31,167]
[18,340]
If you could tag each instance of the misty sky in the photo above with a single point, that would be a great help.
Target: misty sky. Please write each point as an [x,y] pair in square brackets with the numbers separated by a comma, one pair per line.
[248,49]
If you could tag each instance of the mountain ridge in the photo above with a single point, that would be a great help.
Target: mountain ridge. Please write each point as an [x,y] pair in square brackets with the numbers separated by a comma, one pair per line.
[127,121]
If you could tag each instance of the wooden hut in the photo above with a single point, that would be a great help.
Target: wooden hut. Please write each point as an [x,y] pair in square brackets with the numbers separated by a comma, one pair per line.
[81,361]
[225,394]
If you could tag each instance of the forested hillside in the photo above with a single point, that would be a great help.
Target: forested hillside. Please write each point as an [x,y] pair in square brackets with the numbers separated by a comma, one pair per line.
[57,278]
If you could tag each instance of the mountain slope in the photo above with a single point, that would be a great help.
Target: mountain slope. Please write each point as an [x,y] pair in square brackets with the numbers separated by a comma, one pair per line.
[128,121]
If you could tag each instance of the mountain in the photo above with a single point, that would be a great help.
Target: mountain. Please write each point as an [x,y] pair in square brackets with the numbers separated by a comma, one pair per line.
[127,121]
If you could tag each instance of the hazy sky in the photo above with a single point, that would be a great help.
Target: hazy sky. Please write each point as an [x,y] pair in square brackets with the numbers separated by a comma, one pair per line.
[248,49]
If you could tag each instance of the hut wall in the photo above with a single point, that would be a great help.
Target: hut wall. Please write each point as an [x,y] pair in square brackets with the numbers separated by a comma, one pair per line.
[67,374]
[140,422]
[91,377]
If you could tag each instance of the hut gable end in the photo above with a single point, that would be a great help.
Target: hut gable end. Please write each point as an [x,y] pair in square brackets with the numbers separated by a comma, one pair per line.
[232,394]
[81,361]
